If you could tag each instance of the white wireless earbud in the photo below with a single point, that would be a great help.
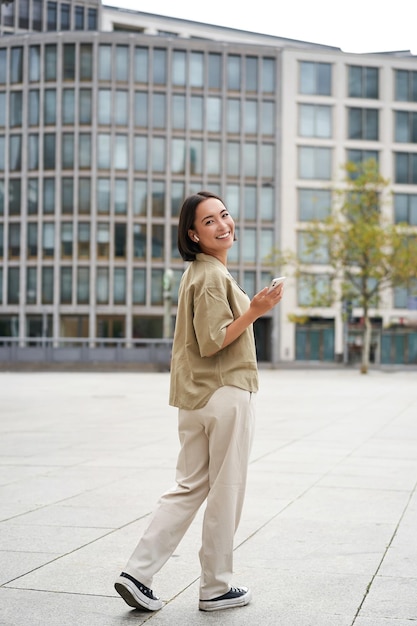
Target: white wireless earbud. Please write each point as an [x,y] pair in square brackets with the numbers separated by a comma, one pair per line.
[196,238]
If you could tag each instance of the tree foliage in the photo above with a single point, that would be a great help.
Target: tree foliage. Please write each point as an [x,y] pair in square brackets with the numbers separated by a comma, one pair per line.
[365,252]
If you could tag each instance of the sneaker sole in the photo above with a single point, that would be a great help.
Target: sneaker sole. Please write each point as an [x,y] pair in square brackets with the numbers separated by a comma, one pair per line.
[133,597]
[219,605]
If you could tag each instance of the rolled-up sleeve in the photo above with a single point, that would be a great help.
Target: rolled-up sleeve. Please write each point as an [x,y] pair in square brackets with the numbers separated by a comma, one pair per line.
[212,315]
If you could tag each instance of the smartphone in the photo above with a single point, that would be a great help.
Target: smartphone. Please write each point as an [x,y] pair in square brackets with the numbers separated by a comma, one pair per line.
[275,282]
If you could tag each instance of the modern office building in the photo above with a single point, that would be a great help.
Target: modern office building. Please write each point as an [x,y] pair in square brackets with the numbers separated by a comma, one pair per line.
[109,118]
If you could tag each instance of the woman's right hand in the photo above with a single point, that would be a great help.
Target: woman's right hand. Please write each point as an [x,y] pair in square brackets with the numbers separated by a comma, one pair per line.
[265,300]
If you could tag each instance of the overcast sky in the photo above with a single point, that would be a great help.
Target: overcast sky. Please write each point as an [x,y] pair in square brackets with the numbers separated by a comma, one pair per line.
[357,26]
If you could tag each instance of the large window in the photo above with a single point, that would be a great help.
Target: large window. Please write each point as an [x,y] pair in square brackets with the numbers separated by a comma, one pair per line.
[15,153]
[313,204]
[314,289]
[47,285]
[251,74]
[83,240]
[315,120]
[405,208]
[141,109]
[84,195]
[13,285]
[177,112]
[84,151]
[139,241]
[363,82]
[405,127]
[159,67]
[319,254]
[250,117]
[268,75]
[3,64]
[68,151]
[67,238]
[79,18]
[48,205]
[214,114]
[315,163]
[86,61]
[120,196]
[234,70]
[32,240]
[406,85]
[120,241]
[233,116]
[363,123]
[68,68]
[16,65]
[315,78]
[67,195]
[48,240]
[158,154]
[85,106]
[250,161]
[34,63]
[50,62]
[360,156]
[141,65]
[68,106]
[102,285]
[214,71]
[232,159]
[159,110]
[139,286]
[66,285]
[196,113]
[103,240]
[14,240]
[49,151]
[33,152]
[158,231]
[406,297]
[15,195]
[119,285]
[16,108]
[83,285]
[268,118]
[196,78]
[179,67]
[406,168]
[31,285]
[105,62]
[103,195]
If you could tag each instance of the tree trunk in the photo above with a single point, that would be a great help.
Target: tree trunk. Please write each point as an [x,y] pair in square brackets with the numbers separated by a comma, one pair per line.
[366,344]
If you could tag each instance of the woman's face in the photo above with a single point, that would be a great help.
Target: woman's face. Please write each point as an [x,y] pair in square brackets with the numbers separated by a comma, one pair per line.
[214,228]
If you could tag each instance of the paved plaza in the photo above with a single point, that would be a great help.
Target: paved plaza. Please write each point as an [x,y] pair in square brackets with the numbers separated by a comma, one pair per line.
[329,530]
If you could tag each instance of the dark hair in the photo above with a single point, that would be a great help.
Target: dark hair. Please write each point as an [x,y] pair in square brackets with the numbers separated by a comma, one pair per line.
[187,247]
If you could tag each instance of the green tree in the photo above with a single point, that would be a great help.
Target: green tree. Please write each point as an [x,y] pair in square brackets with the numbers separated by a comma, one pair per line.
[366,253]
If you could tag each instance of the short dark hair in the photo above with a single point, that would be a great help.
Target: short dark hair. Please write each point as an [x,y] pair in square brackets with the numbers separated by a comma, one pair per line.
[187,247]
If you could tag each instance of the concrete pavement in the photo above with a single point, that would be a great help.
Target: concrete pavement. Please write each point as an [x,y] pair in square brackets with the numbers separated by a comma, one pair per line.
[328,535]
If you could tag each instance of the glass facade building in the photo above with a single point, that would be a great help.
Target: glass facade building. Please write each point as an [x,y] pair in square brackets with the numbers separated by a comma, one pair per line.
[109,118]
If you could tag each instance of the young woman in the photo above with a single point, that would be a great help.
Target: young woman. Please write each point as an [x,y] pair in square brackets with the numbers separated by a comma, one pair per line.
[214,379]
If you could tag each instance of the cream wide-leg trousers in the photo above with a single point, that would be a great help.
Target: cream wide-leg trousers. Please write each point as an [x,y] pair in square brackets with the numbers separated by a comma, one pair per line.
[212,463]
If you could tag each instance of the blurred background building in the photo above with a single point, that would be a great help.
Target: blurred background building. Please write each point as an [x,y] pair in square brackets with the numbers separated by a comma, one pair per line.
[110,117]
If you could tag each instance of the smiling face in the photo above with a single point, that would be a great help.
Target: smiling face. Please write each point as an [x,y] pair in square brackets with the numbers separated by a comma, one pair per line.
[214,229]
